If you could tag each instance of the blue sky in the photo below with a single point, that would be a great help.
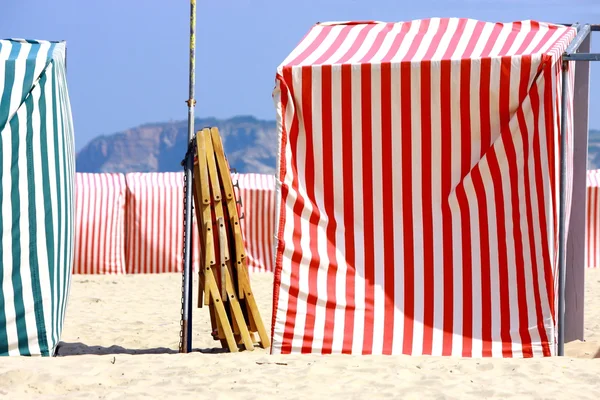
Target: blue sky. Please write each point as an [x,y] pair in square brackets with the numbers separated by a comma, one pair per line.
[128,59]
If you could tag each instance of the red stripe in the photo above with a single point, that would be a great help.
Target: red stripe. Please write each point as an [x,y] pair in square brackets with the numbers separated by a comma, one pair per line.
[540,220]
[397,42]
[463,203]
[312,47]
[313,221]
[329,201]
[91,240]
[477,30]
[103,238]
[588,230]
[407,207]
[487,50]
[356,44]
[516,212]
[290,322]
[339,40]
[484,242]
[347,161]
[367,194]
[446,186]
[387,166]
[484,233]
[164,265]
[510,39]
[104,254]
[504,116]
[455,40]
[428,238]
[379,39]
[535,26]
[596,217]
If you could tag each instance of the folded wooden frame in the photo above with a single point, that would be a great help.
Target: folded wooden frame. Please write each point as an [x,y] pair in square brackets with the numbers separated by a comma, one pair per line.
[224,283]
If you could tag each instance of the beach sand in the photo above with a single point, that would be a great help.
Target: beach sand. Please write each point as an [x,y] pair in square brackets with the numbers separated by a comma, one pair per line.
[122,332]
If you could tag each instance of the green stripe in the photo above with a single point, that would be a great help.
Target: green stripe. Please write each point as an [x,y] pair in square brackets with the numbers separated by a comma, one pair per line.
[17,283]
[9,78]
[3,323]
[48,224]
[16,211]
[58,245]
[34,263]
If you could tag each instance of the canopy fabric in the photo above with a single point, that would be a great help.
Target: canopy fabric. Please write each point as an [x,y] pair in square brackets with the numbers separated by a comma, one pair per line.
[417,179]
[592,226]
[100,223]
[257,195]
[37,163]
[154,226]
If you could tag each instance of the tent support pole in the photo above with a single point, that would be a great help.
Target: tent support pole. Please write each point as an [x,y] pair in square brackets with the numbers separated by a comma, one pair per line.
[562,236]
[186,328]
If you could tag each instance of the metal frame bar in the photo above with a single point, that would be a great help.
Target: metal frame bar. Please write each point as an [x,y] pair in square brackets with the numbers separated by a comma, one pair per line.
[569,55]
[189,168]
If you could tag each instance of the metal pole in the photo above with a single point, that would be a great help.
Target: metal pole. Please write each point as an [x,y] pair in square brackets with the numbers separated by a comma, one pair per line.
[562,236]
[189,164]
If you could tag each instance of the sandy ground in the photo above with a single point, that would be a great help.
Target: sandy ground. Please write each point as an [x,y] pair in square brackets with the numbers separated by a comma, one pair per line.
[121,338]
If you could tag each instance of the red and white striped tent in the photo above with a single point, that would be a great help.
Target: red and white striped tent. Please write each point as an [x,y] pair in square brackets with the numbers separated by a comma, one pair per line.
[154,228]
[154,225]
[257,194]
[99,224]
[592,218]
[418,188]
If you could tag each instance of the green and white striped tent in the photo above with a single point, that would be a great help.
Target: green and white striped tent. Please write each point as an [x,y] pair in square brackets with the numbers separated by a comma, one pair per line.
[37,162]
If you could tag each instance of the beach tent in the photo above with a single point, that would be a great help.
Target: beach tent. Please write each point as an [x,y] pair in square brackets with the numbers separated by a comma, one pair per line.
[37,162]
[257,195]
[99,223]
[418,188]
[154,221]
[592,219]
[154,224]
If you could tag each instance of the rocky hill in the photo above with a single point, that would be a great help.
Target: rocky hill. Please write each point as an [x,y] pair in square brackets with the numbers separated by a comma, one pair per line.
[250,145]
[594,149]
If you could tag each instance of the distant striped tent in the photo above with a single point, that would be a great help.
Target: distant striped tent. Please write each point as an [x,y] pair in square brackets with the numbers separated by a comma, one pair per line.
[38,167]
[154,228]
[592,226]
[99,223]
[257,194]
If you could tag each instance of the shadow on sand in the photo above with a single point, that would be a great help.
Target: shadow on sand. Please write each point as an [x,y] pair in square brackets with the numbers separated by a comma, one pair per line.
[65,349]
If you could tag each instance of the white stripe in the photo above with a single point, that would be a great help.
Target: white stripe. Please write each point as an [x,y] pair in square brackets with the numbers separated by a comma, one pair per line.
[359,236]
[377,179]
[339,187]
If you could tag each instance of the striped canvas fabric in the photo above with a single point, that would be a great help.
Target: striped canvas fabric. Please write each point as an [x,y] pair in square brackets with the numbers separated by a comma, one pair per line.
[418,176]
[99,223]
[37,162]
[154,227]
[257,195]
[592,227]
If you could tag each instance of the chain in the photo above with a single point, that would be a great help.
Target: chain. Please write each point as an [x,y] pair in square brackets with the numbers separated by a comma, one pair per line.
[183,258]
[184,163]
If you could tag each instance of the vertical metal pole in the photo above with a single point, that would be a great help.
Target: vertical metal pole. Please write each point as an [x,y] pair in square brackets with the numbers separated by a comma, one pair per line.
[189,165]
[562,239]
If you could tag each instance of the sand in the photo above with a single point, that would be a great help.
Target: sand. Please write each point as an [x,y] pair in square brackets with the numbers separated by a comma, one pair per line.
[121,338]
